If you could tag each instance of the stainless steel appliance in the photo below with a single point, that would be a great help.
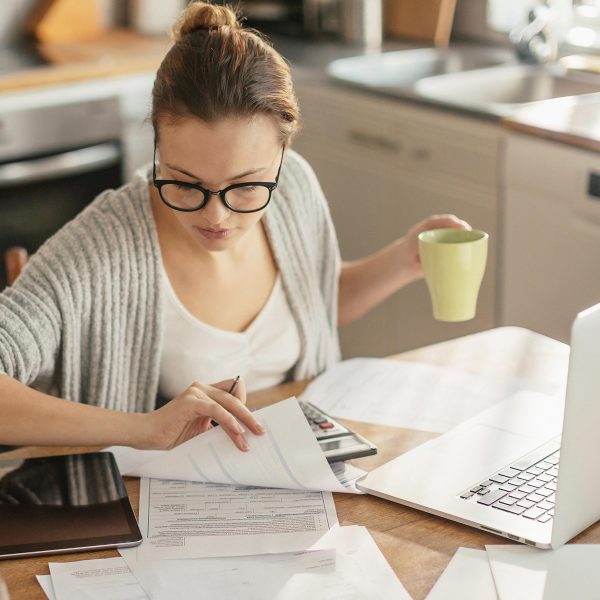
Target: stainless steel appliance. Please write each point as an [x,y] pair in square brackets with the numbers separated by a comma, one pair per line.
[53,161]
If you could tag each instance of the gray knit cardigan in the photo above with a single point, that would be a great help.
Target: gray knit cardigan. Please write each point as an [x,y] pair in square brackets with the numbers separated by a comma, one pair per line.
[84,319]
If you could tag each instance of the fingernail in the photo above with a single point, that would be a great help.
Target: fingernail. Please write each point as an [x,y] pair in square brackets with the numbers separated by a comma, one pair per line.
[260,428]
[245,446]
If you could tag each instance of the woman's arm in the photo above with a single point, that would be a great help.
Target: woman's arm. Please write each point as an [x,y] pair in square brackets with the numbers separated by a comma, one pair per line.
[30,417]
[366,282]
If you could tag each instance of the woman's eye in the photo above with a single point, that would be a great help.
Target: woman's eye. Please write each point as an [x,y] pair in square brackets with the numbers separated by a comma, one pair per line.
[250,188]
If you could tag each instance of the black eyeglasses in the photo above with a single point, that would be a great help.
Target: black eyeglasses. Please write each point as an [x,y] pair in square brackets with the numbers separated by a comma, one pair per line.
[247,197]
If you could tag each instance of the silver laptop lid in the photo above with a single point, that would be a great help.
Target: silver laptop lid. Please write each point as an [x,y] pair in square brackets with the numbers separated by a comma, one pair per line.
[578,483]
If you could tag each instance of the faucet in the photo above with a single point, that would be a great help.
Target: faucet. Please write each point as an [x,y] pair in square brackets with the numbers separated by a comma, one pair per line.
[537,42]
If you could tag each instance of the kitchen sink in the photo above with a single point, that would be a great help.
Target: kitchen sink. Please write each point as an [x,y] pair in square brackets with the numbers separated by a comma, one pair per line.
[480,79]
[499,90]
[403,68]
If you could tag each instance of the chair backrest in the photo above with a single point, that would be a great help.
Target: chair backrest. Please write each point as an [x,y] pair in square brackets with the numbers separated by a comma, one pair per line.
[14,259]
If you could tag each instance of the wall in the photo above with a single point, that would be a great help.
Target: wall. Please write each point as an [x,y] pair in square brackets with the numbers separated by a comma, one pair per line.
[470,23]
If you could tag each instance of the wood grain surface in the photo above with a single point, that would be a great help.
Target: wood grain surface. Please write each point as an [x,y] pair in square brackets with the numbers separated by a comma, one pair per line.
[426,20]
[116,52]
[417,545]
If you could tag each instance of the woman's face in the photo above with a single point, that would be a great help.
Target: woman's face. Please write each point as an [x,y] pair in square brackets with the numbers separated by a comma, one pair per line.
[216,156]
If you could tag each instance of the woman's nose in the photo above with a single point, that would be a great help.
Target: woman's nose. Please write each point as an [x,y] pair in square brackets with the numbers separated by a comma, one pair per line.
[215,210]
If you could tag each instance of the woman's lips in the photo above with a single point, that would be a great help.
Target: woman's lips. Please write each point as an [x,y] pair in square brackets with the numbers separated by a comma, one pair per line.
[214,234]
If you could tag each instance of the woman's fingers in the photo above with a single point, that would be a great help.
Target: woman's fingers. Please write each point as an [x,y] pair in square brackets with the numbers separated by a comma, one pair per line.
[446,220]
[239,390]
[233,405]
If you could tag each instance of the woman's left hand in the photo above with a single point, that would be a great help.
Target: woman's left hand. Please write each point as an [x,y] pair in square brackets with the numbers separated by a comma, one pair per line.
[411,239]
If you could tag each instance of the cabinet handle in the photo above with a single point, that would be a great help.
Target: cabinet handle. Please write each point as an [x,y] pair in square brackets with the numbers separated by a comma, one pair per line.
[374,141]
[68,163]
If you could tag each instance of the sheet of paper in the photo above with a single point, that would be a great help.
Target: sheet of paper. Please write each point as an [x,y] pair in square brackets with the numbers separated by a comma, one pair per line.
[286,456]
[410,395]
[358,572]
[525,573]
[183,519]
[45,582]
[96,579]
[468,576]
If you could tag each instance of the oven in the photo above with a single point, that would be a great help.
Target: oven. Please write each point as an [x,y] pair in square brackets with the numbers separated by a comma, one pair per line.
[54,159]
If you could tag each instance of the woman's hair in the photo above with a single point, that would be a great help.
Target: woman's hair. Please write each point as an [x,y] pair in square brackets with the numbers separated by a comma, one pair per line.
[217,69]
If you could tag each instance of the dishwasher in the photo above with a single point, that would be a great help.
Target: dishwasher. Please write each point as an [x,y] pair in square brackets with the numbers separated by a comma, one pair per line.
[550,259]
[53,161]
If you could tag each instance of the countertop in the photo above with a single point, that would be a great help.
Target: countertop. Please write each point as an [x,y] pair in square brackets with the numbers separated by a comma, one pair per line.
[572,120]
[120,52]
[117,52]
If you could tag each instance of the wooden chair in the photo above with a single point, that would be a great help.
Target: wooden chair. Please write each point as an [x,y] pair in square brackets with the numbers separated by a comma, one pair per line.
[14,259]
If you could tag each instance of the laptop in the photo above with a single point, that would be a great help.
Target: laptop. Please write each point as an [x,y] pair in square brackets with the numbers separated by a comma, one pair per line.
[527,469]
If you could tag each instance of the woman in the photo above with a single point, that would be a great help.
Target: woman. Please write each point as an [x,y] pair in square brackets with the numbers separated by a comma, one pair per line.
[221,259]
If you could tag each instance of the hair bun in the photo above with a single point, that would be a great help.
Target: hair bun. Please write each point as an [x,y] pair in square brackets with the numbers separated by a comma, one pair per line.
[202,15]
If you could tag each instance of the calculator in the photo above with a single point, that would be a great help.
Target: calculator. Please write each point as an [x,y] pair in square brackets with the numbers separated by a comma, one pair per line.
[337,442]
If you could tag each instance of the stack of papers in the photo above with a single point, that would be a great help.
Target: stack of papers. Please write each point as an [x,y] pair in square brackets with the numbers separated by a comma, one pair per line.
[207,499]
[216,519]
[515,572]
[345,564]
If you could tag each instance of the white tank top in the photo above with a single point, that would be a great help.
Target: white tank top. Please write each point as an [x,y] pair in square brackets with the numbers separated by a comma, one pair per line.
[195,351]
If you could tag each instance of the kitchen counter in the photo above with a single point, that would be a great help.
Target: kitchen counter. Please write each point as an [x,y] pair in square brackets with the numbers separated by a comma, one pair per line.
[122,52]
[574,121]
[118,52]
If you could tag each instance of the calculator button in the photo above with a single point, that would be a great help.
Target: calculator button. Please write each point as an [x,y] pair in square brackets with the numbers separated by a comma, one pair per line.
[326,425]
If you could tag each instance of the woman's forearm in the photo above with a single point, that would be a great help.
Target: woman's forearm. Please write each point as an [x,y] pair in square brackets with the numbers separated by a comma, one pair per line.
[29,417]
[366,282]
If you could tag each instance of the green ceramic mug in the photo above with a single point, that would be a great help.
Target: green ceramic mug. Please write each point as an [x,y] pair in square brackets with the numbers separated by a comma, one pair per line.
[453,262]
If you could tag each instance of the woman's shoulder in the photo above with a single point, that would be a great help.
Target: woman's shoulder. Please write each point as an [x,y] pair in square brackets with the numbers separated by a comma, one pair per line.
[117,221]
[299,185]
[297,171]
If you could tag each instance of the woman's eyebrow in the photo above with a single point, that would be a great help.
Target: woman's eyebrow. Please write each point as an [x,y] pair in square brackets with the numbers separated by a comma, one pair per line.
[245,174]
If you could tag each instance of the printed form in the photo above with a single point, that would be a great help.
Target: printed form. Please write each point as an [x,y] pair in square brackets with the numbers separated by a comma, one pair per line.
[182,519]
[96,579]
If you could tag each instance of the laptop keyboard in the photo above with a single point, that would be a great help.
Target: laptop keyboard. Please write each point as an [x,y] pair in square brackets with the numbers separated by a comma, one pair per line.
[526,487]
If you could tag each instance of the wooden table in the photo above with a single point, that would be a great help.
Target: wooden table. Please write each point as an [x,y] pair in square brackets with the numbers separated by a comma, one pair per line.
[418,546]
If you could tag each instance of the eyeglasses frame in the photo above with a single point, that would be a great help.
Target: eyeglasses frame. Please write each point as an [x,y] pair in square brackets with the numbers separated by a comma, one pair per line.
[159,183]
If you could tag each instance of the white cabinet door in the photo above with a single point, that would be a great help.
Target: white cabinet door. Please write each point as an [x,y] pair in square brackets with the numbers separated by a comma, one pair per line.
[551,256]
[384,165]
[137,136]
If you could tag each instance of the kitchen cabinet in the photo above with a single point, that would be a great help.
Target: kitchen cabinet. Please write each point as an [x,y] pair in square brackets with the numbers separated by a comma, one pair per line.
[551,244]
[137,136]
[384,165]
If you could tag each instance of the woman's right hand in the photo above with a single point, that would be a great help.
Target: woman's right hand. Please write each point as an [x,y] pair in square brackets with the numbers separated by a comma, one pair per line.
[190,413]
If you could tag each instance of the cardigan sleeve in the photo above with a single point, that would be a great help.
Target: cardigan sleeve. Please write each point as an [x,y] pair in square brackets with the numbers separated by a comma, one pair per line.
[30,324]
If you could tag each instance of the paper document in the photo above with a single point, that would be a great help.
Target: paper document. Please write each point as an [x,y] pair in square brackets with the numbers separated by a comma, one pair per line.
[286,456]
[468,576]
[346,564]
[45,582]
[183,519]
[96,579]
[410,395]
[525,573]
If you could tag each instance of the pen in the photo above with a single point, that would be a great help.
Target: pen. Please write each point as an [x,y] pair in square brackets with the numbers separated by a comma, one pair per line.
[230,391]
